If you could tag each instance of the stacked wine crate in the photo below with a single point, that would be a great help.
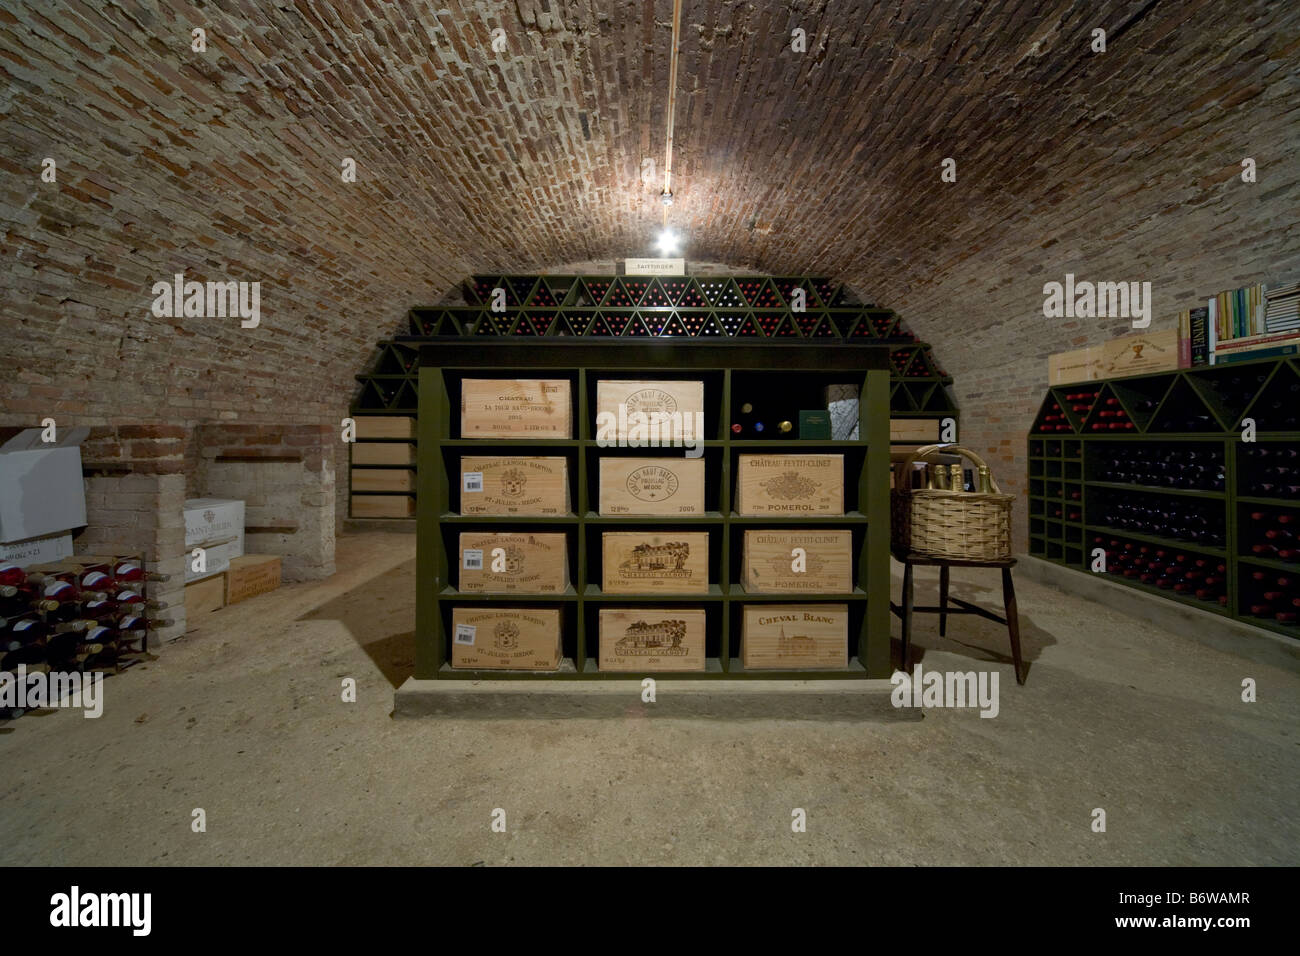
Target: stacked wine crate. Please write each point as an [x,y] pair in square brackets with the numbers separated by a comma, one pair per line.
[585,512]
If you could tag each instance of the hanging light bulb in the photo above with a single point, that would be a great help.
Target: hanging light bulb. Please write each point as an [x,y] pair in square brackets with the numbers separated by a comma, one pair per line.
[667,242]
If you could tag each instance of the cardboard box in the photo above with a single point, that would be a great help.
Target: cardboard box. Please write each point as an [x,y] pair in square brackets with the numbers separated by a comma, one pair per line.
[514,486]
[795,637]
[923,431]
[1080,365]
[790,485]
[651,486]
[216,560]
[652,639]
[639,562]
[383,453]
[383,506]
[251,575]
[667,412]
[505,638]
[512,563]
[814,424]
[54,547]
[384,426]
[807,561]
[213,521]
[1140,354]
[202,597]
[515,408]
[382,479]
[41,490]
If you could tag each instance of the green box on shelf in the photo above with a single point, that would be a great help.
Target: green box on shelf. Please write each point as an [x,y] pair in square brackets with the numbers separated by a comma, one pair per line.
[814,424]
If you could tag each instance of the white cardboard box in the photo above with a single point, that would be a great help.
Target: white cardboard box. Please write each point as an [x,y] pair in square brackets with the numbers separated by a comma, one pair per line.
[216,559]
[210,522]
[41,490]
[54,547]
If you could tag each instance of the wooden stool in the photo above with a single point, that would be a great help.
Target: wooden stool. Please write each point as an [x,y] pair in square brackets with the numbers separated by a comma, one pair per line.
[1012,619]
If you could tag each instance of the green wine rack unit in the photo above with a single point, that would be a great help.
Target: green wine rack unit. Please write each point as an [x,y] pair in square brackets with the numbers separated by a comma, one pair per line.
[750,309]
[1170,421]
[727,369]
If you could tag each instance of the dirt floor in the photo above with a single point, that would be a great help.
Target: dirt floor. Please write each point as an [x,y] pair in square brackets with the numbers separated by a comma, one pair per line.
[244,719]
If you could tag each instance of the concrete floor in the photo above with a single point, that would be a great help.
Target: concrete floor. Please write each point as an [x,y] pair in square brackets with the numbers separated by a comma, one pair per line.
[243,718]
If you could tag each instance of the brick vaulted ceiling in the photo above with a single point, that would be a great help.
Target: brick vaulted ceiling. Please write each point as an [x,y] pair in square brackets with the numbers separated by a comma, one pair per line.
[225,164]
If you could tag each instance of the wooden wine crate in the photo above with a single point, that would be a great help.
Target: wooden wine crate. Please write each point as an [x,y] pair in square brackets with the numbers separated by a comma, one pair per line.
[204,596]
[669,411]
[382,479]
[795,637]
[637,562]
[773,565]
[384,426]
[382,506]
[924,431]
[497,563]
[652,486]
[1080,365]
[652,639]
[250,575]
[383,453]
[790,485]
[1139,354]
[515,408]
[505,638]
[514,486]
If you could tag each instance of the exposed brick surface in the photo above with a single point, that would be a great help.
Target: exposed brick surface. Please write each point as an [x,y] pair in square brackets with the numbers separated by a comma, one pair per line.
[225,165]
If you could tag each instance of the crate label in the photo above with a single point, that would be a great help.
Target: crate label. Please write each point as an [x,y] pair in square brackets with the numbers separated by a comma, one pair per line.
[465,634]
[473,481]
[473,559]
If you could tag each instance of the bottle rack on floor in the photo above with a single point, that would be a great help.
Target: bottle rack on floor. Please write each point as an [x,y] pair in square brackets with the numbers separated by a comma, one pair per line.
[1158,474]
[724,368]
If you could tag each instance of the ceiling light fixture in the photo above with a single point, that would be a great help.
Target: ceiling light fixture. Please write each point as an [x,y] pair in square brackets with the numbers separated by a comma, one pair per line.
[667,239]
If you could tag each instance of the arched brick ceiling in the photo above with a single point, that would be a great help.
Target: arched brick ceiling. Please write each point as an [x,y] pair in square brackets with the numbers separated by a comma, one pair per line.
[225,164]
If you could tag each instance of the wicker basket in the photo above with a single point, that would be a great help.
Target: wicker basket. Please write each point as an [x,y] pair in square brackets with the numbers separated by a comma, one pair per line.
[964,525]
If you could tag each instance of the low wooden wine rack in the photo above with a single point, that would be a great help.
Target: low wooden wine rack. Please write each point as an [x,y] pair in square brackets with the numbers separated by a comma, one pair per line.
[728,370]
[1208,458]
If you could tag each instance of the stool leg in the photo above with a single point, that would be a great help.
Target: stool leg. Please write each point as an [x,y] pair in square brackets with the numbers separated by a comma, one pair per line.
[907,610]
[943,600]
[1013,620]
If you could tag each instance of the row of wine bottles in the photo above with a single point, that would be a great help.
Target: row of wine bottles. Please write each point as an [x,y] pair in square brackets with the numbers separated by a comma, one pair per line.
[1271,534]
[1272,595]
[1177,520]
[1162,467]
[1190,575]
[750,424]
[1270,471]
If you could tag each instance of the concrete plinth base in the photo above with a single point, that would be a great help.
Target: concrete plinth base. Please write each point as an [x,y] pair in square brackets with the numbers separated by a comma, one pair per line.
[865,700]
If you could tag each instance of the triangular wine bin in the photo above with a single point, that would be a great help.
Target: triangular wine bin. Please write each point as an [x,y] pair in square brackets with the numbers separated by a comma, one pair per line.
[1184,412]
[1277,409]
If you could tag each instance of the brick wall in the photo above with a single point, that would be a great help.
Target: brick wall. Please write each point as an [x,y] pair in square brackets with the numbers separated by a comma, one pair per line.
[285,476]
[135,492]
[225,165]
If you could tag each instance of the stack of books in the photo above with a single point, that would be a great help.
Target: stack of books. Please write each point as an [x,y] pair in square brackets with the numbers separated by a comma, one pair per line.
[1253,322]
[1282,307]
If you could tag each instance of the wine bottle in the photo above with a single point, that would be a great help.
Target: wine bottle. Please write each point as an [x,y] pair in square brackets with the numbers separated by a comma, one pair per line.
[11,575]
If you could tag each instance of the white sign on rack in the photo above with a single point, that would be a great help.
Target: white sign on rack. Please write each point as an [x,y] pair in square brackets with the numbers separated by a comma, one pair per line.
[655,267]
